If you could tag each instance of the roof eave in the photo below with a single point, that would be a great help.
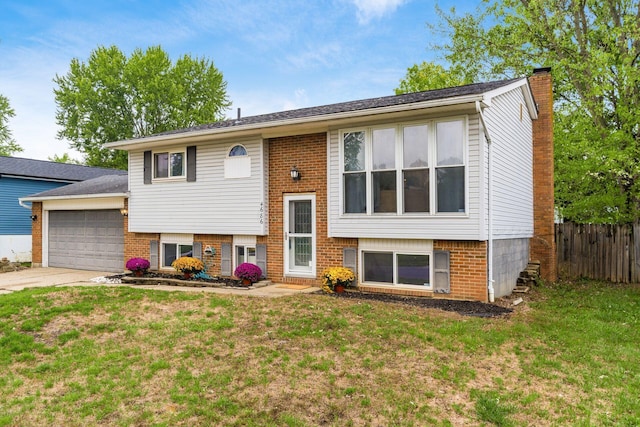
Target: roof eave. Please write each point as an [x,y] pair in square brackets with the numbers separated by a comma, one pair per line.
[258,128]
[75,196]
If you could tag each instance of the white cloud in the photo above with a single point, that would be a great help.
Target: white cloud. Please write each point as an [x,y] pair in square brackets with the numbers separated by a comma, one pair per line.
[370,9]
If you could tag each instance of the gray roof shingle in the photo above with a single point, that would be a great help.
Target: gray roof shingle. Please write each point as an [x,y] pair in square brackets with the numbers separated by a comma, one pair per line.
[106,184]
[363,104]
[41,169]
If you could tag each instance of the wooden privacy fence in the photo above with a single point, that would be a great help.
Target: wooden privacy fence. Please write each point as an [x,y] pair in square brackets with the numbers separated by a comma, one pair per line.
[599,251]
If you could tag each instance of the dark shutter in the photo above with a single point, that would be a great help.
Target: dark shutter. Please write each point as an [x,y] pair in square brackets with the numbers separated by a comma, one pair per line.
[153,254]
[441,272]
[147,167]
[225,259]
[191,163]
[197,250]
[261,258]
[350,259]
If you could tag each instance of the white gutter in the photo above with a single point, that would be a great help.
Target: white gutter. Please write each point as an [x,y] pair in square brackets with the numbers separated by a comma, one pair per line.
[490,288]
[21,202]
[70,197]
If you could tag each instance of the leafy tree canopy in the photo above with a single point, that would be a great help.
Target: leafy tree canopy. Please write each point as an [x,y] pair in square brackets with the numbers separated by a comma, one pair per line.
[8,145]
[112,97]
[429,76]
[65,158]
[593,48]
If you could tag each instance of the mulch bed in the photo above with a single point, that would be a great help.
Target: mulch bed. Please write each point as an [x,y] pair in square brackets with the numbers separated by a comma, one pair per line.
[464,308]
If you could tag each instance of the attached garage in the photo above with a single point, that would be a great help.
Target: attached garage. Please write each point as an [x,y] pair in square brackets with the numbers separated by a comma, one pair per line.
[81,225]
[86,239]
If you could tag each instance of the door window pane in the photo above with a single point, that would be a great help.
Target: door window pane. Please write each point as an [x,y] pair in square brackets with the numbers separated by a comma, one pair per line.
[415,146]
[413,269]
[416,190]
[353,151]
[186,250]
[378,267]
[177,164]
[384,148]
[450,189]
[355,193]
[384,192]
[239,255]
[300,216]
[449,143]
[301,252]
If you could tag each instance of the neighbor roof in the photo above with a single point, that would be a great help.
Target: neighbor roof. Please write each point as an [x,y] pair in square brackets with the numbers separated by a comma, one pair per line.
[41,169]
[103,185]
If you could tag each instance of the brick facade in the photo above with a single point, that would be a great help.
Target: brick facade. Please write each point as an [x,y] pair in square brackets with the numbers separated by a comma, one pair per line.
[468,268]
[36,235]
[309,154]
[543,245]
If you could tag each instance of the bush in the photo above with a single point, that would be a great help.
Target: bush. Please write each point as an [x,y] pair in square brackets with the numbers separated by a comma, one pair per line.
[137,264]
[248,271]
[187,264]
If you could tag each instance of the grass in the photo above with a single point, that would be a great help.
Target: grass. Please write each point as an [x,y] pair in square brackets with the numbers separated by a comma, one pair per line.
[122,356]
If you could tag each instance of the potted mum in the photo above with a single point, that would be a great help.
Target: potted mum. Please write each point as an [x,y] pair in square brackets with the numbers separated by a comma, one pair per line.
[138,266]
[336,279]
[248,273]
[187,266]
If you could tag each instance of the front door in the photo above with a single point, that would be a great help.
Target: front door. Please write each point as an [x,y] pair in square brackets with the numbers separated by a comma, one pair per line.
[300,235]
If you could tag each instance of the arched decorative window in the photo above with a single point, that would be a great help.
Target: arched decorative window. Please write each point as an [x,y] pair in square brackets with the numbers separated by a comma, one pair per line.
[237,150]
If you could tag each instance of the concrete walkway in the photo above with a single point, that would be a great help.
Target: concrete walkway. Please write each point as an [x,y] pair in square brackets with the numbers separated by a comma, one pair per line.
[50,276]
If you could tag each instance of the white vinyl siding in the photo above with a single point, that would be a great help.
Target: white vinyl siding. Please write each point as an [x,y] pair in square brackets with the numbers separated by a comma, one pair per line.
[211,205]
[512,164]
[432,225]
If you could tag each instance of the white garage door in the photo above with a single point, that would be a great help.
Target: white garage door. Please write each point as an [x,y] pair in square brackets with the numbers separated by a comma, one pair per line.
[86,240]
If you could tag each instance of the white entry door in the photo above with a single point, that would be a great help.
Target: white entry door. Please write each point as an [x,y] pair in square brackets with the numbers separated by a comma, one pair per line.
[300,235]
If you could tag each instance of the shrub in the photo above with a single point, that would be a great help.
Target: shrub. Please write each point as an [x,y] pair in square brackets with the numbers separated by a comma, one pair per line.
[137,264]
[333,276]
[187,264]
[248,271]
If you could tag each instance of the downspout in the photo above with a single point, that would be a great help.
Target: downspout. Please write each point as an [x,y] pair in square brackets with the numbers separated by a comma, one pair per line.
[490,288]
[23,205]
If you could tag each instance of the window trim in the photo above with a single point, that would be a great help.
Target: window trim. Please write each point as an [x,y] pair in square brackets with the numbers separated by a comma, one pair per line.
[169,177]
[395,254]
[399,168]
[246,152]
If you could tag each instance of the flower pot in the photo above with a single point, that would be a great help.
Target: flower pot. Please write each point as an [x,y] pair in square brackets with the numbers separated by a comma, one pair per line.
[246,282]
[138,273]
[338,289]
[187,275]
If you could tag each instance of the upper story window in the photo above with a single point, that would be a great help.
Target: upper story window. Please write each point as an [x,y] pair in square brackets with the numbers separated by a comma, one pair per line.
[237,150]
[405,169]
[168,164]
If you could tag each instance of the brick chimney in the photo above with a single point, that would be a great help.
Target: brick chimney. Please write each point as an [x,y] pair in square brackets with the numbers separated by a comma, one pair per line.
[542,246]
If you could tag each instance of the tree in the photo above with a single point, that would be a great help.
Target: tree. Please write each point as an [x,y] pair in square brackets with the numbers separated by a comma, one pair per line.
[112,97]
[594,49]
[65,158]
[429,76]
[8,145]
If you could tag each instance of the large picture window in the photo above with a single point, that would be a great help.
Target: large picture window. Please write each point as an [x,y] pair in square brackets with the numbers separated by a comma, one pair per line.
[405,169]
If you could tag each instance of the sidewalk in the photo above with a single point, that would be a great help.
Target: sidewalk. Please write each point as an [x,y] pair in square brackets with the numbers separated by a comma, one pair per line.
[50,276]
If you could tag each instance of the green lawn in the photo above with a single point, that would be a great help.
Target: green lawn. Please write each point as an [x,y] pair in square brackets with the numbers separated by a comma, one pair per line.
[570,355]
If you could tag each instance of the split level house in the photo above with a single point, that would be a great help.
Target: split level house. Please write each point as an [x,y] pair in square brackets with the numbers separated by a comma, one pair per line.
[20,177]
[445,193]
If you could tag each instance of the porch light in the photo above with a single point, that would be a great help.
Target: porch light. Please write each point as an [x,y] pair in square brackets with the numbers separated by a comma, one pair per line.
[295,174]
[34,217]
[124,212]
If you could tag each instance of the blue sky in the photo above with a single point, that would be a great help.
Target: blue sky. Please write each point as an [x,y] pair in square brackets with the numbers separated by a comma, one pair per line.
[274,54]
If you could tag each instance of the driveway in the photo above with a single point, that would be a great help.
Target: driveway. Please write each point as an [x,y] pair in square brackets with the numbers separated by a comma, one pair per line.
[50,276]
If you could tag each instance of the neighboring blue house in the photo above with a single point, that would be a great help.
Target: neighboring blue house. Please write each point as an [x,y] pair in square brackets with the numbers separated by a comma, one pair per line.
[21,177]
